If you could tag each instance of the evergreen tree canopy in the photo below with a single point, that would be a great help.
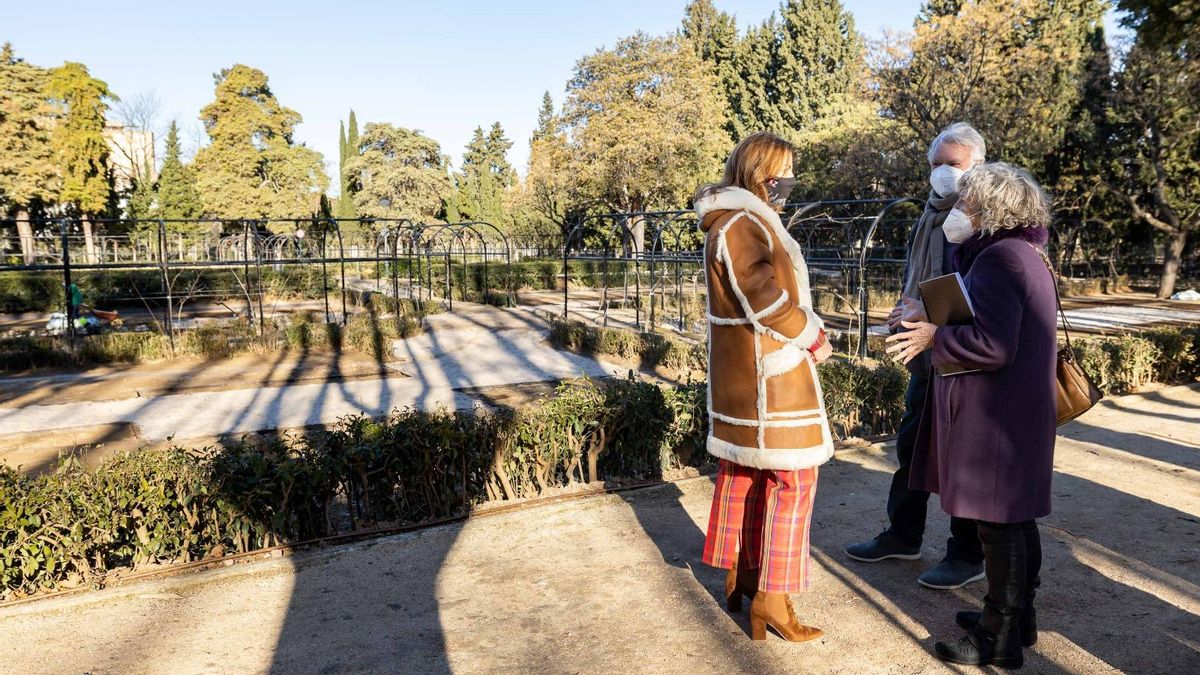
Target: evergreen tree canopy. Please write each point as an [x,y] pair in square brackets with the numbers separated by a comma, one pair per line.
[27,170]
[177,196]
[398,173]
[252,168]
[713,35]
[785,73]
[1012,68]
[1156,159]
[546,122]
[485,180]
[818,59]
[81,152]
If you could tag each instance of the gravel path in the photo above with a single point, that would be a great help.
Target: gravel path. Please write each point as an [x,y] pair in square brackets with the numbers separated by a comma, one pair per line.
[474,348]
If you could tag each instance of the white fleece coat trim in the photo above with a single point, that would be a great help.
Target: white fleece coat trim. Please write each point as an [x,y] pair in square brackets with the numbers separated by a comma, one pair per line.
[723,321]
[735,198]
[758,212]
[778,459]
[807,337]
[771,308]
[813,418]
[795,414]
[782,360]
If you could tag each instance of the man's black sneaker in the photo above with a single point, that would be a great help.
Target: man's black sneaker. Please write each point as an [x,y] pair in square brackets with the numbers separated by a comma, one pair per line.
[881,548]
[950,574]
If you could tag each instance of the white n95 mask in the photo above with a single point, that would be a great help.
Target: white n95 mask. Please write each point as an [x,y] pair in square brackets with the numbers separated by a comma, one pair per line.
[957,227]
[944,179]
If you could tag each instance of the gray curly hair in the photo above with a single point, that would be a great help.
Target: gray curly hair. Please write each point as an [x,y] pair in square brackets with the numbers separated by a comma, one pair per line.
[1005,197]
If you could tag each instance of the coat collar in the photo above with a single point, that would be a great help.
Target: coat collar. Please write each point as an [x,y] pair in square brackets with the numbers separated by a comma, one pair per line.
[734,198]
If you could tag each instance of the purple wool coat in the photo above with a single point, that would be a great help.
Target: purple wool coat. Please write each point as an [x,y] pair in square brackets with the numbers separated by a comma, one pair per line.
[986,440]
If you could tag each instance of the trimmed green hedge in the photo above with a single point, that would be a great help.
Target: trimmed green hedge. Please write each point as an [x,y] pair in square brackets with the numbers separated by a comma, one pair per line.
[868,398]
[1121,364]
[862,398]
[73,526]
[43,291]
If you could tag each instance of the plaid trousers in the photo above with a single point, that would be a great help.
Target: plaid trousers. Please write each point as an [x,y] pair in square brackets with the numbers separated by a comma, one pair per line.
[760,519]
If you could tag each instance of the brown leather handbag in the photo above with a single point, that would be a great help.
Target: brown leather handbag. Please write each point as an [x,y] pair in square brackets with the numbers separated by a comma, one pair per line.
[1077,393]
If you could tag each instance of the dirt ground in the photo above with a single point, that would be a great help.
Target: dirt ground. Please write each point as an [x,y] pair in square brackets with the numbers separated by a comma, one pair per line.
[614,584]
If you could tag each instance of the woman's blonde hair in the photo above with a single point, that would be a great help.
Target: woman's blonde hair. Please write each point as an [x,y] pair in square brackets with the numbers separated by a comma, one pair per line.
[752,163]
[1005,197]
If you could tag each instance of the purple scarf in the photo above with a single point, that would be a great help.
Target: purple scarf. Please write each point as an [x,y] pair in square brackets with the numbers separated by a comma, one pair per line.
[970,249]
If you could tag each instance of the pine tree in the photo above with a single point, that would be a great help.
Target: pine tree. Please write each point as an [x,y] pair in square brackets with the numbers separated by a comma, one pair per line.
[253,168]
[177,198]
[547,122]
[713,35]
[498,146]
[484,179]
[936,8]
[819,59]
[80,149]
[27,172]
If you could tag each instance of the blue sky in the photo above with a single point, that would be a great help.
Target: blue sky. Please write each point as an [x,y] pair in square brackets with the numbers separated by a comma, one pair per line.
[444,67]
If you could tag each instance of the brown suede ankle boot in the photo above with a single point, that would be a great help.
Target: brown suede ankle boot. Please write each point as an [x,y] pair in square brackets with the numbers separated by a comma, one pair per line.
[775,610]
[738,583]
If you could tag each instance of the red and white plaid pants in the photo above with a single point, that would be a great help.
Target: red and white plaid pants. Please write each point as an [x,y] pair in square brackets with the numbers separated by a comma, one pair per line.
[760,518]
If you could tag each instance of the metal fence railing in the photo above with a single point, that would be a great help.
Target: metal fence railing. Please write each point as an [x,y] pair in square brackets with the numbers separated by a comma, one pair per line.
[164,260]
[651,264]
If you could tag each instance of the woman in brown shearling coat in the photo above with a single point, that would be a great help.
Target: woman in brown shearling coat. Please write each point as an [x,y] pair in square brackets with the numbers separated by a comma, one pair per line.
[766,414]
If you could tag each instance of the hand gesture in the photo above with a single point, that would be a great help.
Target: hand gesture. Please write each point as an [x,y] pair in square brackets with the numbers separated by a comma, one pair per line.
[913,311]
[822,354]
[908,345]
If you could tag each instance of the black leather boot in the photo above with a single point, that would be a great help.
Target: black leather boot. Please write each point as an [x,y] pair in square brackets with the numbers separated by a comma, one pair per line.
[1026,624]
[995,638]
[981,648]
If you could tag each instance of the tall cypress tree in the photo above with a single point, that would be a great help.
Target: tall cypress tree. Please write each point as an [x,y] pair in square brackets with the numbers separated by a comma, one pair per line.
[713,34]
[177,197]
[352,135]
[547,123]
[819,58]
[348,149]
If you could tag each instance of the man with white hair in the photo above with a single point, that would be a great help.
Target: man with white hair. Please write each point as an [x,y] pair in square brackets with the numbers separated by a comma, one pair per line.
[957,149]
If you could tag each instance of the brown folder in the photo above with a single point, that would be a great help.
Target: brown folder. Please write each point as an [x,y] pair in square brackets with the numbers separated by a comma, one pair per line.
[948,304]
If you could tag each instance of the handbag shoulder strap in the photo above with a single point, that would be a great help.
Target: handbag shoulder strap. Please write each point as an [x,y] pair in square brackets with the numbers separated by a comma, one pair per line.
[1057,296]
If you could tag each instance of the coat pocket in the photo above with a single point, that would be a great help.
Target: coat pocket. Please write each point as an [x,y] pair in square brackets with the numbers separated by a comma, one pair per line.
[782,360]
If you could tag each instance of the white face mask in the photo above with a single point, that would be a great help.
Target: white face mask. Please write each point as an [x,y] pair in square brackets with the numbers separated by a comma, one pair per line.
[944,179]
[957,227]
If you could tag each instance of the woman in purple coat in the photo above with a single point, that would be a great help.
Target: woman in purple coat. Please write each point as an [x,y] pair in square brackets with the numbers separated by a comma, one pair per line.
[986,444]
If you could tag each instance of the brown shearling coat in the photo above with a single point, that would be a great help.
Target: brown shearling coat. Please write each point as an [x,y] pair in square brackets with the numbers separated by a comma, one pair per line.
[765,404]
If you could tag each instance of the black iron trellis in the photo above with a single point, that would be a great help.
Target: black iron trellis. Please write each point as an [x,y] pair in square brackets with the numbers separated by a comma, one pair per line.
[837,236]
[245,247]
